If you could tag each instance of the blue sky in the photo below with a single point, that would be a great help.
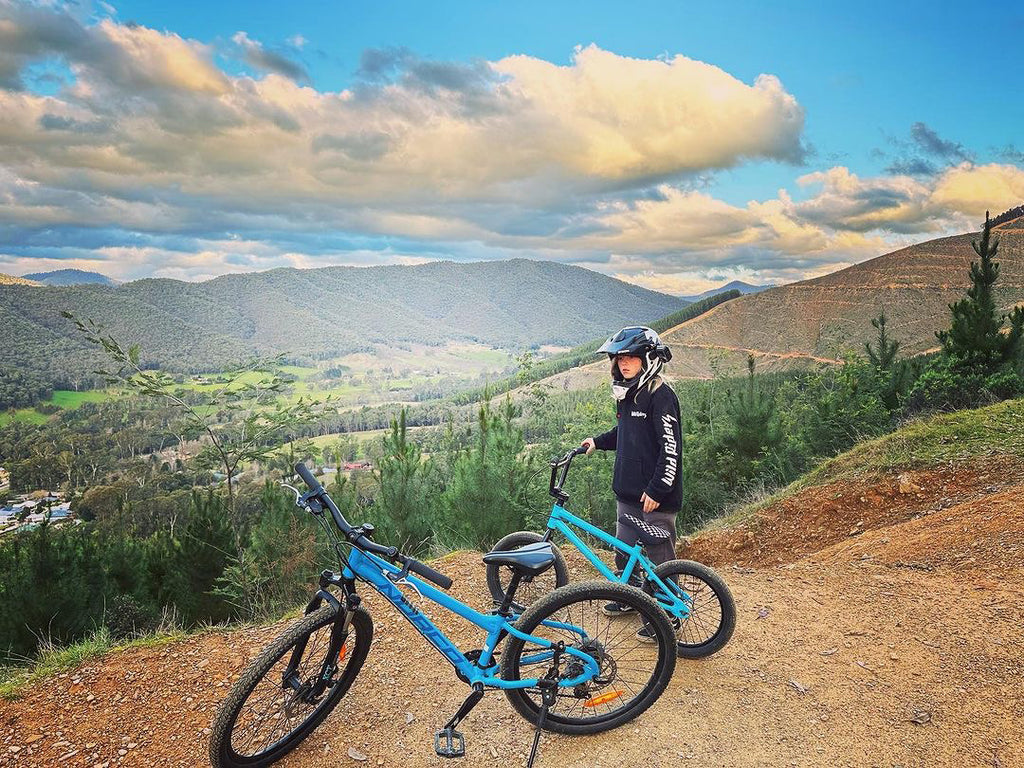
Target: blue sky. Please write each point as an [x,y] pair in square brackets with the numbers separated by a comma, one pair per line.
[673,145]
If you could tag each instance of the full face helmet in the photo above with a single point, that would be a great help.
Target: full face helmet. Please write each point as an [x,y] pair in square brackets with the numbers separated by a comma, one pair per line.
[636,341]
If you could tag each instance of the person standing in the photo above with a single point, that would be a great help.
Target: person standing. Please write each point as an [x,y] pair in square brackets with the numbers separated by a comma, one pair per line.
[646,438]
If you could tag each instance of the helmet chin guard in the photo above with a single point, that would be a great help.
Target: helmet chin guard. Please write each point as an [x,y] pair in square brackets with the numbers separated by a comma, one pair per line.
[636,341]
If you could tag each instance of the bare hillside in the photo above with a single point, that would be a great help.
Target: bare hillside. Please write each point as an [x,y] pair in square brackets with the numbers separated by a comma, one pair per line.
[819,320]
[12,280]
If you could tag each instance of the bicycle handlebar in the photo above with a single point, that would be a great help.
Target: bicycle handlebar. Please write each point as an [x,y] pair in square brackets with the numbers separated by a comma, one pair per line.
[555,487]
[358,539]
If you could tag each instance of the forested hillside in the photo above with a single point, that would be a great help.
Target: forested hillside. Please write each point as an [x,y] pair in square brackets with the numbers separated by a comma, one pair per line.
[70,277]
[317,314]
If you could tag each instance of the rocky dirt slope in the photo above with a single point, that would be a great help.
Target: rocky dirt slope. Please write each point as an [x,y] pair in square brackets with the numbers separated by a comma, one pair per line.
[821,319]
[880,624]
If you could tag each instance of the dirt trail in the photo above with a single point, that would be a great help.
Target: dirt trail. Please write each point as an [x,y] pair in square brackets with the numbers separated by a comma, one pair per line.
[896,646]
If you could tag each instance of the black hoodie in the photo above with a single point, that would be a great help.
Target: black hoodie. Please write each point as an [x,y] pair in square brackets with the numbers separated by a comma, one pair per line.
[647,442]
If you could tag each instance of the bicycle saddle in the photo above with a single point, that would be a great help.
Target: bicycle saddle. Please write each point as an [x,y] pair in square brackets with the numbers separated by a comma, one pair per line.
[531,560]
[649,534]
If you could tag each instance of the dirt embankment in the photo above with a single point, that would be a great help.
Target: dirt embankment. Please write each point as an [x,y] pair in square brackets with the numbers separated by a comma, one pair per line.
[880,624]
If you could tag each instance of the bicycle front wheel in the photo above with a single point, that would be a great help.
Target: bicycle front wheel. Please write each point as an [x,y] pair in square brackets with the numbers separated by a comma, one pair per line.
[275,704]
[712,610]
[634,650]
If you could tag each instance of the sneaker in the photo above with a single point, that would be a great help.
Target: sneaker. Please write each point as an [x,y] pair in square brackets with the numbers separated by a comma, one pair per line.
[646,633]
[617,609]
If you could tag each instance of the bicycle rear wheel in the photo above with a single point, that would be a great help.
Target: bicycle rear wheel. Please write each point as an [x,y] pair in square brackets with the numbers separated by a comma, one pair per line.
[633,673]
[269,712]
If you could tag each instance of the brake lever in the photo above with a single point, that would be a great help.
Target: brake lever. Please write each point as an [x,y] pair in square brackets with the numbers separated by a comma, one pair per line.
[402,578]
[293,489]
[307,501]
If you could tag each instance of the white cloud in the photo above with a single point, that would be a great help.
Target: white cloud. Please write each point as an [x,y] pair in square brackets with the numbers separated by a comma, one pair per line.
[507,130]
[972,190]
[584,162]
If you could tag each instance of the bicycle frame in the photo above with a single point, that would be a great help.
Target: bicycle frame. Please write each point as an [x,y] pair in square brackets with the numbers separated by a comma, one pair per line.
[372,569]
[562,520]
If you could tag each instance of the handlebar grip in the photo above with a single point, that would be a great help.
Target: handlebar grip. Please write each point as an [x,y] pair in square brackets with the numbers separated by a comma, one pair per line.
[303,471]
[579,451]
[429,573]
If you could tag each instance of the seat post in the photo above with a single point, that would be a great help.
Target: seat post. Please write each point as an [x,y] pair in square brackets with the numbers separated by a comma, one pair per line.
[506,604]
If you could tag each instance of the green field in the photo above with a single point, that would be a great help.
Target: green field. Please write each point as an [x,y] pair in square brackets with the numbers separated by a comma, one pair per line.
[388,374]
[62,398]
[28,415]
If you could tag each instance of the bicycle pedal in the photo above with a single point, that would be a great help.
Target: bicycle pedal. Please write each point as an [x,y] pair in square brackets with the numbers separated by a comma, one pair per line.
[449,743]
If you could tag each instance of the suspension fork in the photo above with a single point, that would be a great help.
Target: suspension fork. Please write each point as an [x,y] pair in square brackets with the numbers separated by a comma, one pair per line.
[339,633]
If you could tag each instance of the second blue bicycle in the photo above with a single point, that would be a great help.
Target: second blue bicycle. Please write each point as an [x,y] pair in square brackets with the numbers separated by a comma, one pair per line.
[694,596]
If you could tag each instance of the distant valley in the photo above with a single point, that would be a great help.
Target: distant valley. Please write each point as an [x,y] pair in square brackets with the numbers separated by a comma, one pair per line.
[319,315]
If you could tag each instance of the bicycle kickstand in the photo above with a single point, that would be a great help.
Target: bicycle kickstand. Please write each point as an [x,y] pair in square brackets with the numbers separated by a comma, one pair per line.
[547,698]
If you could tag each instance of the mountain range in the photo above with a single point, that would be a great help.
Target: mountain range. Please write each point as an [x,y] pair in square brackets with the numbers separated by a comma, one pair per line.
[735,285]
[309,314]
[70,277]
[517,304]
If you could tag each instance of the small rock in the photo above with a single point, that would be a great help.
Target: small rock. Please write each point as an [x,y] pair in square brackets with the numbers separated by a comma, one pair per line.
[762,613]
[355,754]
[905,485]
[921,717]
[796,684]
[409,717]
[829,651]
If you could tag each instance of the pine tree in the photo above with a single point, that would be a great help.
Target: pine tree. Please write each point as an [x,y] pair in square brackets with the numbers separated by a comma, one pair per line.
[890,373]
[884,355]
[754,428]
[975,342]
[404,489]
[488,489]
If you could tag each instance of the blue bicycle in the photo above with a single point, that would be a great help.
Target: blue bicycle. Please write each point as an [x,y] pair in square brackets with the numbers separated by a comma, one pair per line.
[564,666]
[698,600]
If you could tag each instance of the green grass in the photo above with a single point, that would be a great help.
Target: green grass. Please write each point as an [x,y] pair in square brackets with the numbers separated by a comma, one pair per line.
[995,429]
[927,442]
[320,441]
[64,398]
[301,371]
[54,660]
[29,415]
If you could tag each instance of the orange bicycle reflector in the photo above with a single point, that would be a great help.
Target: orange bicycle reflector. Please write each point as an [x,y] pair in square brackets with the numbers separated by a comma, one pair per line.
[604,698]
[341,653]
